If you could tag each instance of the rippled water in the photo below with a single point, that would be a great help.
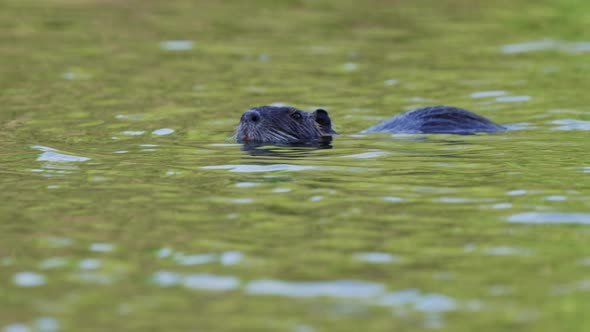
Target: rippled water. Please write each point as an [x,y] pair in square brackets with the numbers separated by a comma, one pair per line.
[127,206]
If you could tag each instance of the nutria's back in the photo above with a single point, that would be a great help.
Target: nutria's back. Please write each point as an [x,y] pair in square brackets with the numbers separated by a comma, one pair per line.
[436,120]
[288,125]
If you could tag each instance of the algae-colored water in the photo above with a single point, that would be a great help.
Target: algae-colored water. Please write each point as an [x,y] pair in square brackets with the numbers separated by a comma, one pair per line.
[126,206]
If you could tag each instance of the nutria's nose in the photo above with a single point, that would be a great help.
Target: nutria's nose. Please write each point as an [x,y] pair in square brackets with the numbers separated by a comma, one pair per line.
[251,116]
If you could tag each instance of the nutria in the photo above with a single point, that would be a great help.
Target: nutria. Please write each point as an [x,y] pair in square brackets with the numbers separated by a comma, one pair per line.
[288,125]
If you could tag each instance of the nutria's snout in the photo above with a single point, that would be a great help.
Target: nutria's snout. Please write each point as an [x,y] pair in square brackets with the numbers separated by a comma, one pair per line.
[283,125]
[251,116]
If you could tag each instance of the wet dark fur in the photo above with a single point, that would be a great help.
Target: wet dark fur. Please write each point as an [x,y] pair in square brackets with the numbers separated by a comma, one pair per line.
[436,120]
[288,125]
[283,125]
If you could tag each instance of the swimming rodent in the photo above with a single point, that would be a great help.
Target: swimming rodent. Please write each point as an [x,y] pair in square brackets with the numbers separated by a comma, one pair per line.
[289,125]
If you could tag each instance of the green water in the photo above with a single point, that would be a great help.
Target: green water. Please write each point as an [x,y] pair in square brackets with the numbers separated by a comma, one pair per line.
[126,206]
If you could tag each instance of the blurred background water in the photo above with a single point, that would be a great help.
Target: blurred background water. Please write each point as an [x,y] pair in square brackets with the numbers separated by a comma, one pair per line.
[127,206]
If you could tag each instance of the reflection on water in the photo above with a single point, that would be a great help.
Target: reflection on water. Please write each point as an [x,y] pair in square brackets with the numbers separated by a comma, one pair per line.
[550,218]
[366,155]
[513,99]
[210,282]
[547,45]
[52,155]
[431,303]
[571,124]
[177,45]
[336,289]
[263,168]
[53,263]
[90,264]
[101,247]
[507,251]
[29,279]
[163,132]
[133,132]
[224,258]
[376,257]
[41,324]
[287,150]
[486,94]
[202,281]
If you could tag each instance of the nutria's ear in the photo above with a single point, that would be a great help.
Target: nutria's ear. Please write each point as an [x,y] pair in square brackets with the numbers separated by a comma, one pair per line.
[323,120]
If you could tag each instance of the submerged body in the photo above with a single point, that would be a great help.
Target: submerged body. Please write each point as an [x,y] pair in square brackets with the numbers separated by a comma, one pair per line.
[436,120]
[288,125]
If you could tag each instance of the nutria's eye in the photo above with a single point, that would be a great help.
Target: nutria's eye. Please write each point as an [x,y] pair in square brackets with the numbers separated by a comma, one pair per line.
[296,116]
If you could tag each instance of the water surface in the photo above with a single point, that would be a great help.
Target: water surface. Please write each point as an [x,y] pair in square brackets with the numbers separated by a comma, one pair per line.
[127,206]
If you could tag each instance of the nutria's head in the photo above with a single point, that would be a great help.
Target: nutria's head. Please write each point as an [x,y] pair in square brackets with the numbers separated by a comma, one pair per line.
[283,125]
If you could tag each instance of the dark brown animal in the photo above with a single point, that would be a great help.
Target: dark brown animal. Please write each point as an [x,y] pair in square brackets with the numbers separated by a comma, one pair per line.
[288,125]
